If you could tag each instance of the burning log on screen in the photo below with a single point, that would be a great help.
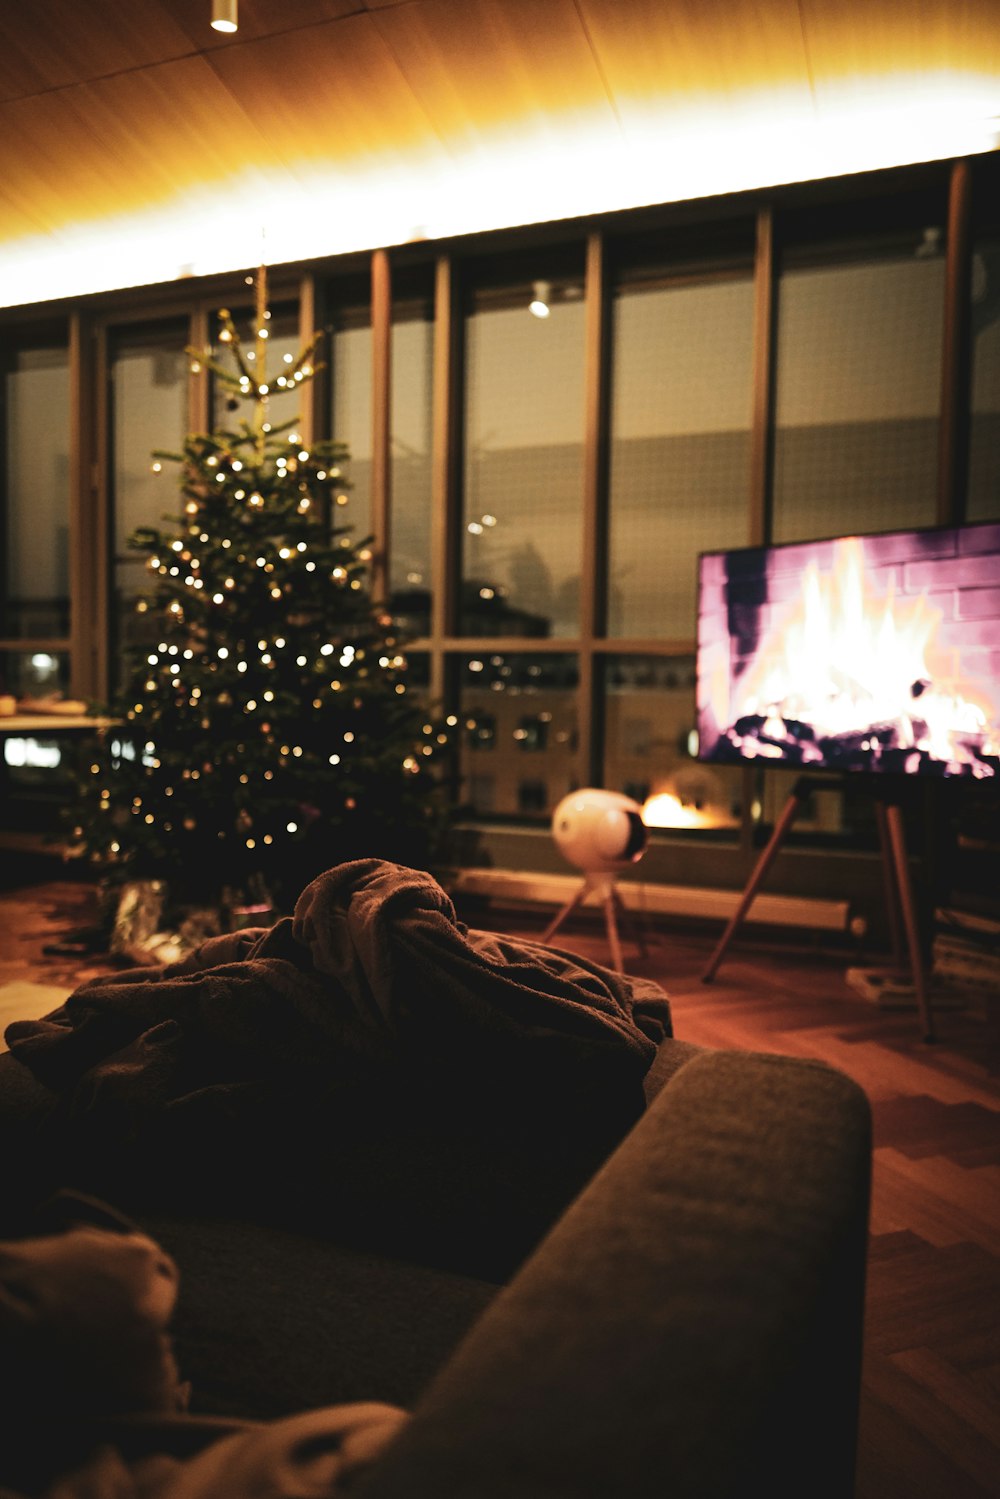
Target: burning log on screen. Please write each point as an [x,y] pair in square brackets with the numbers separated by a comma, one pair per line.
[846,677]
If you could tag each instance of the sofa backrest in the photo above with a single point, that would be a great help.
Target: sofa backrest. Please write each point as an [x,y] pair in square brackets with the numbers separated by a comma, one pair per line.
[691,1326]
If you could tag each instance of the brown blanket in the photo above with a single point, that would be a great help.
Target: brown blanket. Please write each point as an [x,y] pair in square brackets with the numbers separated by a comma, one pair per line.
[373,960]
[372,1010]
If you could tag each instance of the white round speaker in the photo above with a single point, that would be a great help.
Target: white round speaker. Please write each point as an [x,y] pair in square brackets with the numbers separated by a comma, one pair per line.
[599,830]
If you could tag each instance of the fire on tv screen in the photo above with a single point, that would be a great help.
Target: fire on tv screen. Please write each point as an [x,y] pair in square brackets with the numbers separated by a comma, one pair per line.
[871,653]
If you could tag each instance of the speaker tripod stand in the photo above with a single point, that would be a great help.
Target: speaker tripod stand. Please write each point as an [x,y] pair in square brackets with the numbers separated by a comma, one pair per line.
[602,885]
[900,905]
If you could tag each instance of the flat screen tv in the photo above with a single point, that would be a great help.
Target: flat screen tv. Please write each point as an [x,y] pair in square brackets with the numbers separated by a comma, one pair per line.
[861,653]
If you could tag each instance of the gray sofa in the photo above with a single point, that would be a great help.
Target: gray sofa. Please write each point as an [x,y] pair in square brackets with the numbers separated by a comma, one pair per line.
[690,1324]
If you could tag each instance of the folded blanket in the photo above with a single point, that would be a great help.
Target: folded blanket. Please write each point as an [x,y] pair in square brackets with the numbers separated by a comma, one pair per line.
[373,1001]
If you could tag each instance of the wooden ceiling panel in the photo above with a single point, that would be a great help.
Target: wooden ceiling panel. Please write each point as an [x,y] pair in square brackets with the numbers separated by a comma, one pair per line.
[480,67]
[852,44]
[114,106]
[332,94]
[695,52]
[51,168]
[21,219]
[59,43]
[53,44]
[124,143]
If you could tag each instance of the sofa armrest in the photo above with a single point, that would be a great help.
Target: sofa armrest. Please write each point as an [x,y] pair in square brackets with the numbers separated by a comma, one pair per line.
[691,1326]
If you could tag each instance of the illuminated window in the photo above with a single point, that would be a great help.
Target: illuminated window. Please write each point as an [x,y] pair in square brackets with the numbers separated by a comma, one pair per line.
[532,733]
[481,732]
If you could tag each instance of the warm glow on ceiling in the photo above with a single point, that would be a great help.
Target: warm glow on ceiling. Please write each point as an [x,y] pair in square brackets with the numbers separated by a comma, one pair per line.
[573,168]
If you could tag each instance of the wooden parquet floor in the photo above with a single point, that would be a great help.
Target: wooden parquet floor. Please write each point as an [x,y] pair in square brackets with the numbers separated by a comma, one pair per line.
[930,1410]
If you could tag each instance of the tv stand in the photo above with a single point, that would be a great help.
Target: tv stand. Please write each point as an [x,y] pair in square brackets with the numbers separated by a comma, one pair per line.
[896,876]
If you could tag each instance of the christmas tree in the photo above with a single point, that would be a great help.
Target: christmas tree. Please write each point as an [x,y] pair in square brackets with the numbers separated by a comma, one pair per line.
[266,730]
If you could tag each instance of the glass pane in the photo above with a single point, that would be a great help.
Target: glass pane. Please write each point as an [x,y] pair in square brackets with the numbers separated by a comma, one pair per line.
[518,754]
[149,392]
[34,673]
[149,374]
[38,768]
[36,534]
[412,394]
[523,459]
[680,445]
[984,455]
[418,676]
[649,744]
[858,394]
[350,355]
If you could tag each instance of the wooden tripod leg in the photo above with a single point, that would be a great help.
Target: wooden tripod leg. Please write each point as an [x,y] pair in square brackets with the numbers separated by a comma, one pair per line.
[629,921]
[612,925]
[897,845]
[753,885]
[890,883]
[558,920]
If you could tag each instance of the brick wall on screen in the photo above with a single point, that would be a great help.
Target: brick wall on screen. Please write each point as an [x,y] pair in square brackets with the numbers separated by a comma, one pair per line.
[959,571]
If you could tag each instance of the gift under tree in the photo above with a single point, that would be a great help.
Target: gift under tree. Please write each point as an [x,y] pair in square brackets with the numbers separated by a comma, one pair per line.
[267,730]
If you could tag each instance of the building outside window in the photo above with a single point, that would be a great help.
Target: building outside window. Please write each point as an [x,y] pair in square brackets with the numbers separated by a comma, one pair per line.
[349,352]
[409,575]
[511,703]
[523,451]
[650,746]
[858,386]
[681,403]
[149,371]
[682,343]
[984,447]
